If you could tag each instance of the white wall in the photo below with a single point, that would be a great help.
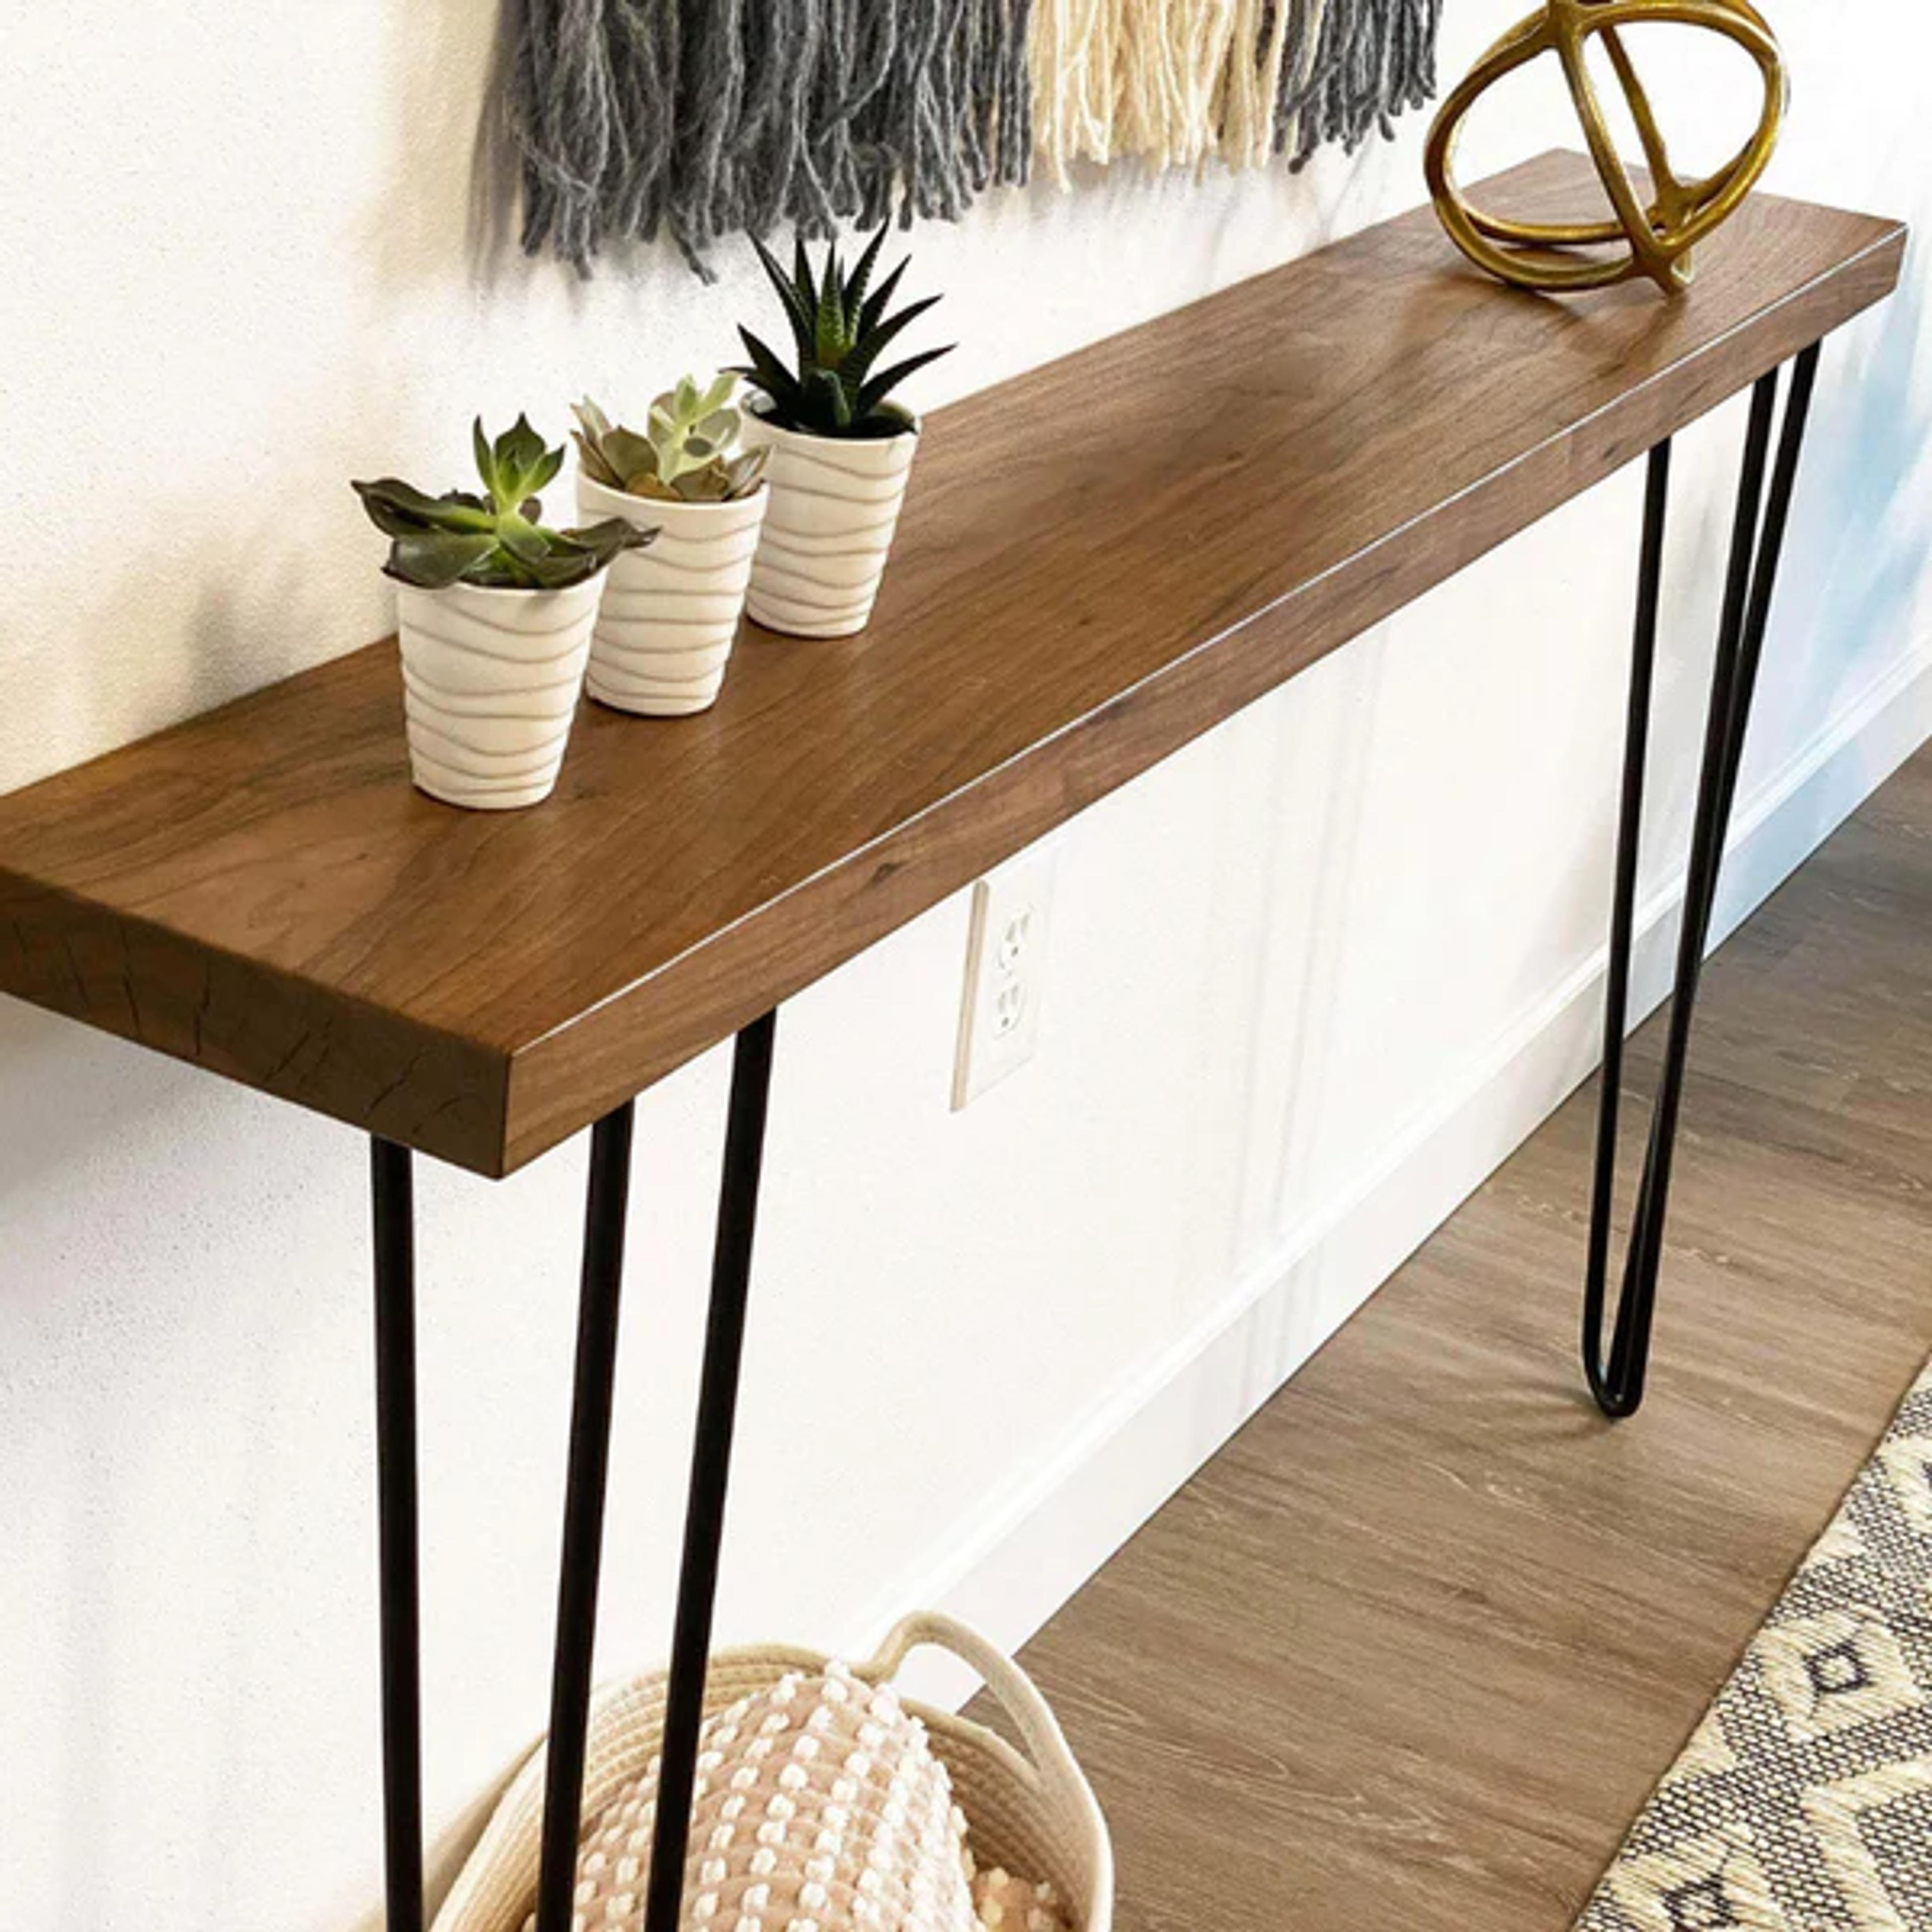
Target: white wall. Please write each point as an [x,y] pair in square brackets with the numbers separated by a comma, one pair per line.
[1310,979]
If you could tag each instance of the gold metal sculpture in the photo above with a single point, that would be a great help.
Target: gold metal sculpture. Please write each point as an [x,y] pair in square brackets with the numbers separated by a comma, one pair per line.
[1656,235]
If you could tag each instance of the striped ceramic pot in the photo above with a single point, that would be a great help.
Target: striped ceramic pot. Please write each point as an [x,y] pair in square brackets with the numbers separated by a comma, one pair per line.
[835,505]
[671,612]
[491,681]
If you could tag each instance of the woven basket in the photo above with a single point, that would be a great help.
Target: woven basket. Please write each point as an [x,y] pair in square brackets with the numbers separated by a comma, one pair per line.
[1034,1814]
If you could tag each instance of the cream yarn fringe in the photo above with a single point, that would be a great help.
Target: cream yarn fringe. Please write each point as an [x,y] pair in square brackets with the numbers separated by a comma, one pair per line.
[1169,83]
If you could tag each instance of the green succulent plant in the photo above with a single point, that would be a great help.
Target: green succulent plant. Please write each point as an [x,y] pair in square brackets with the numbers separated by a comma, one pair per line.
[495,539]
[838,330]
[688,455]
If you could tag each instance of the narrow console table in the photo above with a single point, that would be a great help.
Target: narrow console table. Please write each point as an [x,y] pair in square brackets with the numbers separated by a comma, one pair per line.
[1078,591]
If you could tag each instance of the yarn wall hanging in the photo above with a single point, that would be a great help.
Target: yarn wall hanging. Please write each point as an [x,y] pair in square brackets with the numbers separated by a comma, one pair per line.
[703,118]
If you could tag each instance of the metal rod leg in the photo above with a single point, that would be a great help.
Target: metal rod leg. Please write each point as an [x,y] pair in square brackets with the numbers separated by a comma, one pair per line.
[1623,903]
[393,1198]
[710,1470]
[589,1468]
[1618,1385]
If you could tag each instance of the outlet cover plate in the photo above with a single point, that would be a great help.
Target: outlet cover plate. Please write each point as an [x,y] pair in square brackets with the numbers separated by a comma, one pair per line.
[1006,973]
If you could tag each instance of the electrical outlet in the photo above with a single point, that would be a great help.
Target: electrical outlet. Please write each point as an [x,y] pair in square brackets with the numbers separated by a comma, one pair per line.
[1005,974]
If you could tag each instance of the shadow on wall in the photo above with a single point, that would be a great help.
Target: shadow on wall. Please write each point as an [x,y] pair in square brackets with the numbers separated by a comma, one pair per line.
[254,594]
[1327,834]
[443,73]
[91,1336]
[42,1054]
[1335,196]
[261,594]
[495,161]
[1860,581]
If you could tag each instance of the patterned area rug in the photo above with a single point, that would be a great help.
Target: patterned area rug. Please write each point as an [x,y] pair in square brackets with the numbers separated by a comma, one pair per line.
[1804,1802]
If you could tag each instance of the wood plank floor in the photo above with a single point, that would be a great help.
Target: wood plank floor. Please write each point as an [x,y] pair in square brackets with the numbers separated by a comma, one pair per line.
[1411,1653]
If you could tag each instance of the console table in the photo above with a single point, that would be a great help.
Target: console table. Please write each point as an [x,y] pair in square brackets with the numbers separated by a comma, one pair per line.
[1079,590]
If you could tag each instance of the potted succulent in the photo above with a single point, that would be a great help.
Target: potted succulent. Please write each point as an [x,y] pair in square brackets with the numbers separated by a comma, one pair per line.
[494,617]
[669,614]
[840,448]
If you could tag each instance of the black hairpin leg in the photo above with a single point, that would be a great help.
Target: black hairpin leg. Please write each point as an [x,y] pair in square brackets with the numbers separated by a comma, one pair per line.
[1757,538]
[392,1189]
[585,1488]
[584,1501]
[710,1468]
[393,1195]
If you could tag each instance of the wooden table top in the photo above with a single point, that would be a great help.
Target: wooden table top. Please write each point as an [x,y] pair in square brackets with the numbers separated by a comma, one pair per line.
[1098,561]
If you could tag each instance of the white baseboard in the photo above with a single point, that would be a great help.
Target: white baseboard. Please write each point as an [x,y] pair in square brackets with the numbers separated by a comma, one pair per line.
[1117,1466]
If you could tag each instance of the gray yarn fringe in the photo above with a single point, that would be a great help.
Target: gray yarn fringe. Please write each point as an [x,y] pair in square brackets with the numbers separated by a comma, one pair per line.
[1369,61]
[701,117]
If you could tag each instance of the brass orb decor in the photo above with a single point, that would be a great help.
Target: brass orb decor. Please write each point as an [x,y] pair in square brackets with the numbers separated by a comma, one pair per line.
[1653,237]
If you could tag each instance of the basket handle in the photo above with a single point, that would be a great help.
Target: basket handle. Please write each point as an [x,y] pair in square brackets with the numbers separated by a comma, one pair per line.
[1046,1744]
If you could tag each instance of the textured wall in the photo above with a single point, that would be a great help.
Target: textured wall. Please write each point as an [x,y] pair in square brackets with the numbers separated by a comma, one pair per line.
[243,265]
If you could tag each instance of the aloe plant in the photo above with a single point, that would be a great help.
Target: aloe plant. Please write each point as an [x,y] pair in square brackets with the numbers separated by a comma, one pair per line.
[838,331]
[495,539]
[689,455]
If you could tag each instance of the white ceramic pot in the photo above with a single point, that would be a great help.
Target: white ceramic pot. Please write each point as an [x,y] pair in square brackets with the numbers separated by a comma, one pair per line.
[670,611]
[491,681]
[835,505]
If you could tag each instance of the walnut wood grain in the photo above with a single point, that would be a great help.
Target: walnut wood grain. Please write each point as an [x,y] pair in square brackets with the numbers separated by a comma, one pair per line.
[1078,591]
